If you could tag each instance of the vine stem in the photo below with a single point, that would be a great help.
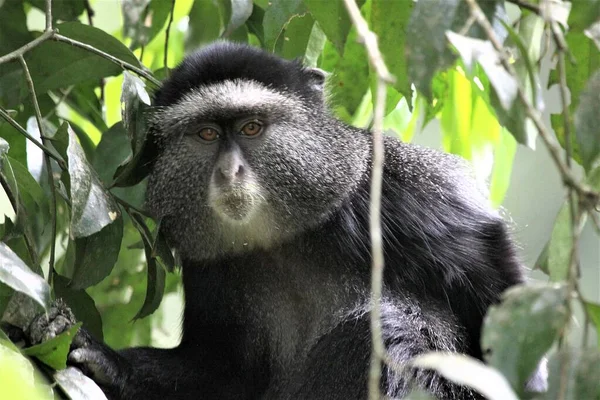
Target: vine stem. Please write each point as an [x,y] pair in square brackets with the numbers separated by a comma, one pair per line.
[165,63]
[369,40]
[47,161]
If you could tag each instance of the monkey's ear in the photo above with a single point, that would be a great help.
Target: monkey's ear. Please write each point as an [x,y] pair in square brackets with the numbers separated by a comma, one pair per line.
[316,78]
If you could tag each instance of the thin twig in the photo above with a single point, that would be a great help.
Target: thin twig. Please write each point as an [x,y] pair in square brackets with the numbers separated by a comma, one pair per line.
[33,140]
[90,12]
[568,177]
[92,49]
[48,15]
[38,116]
[369,40]
[167,38]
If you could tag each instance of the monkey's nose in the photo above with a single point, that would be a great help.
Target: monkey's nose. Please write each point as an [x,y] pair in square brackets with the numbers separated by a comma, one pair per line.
[229,174]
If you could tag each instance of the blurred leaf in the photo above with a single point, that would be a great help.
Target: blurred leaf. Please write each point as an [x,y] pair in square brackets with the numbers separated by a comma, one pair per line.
[78,386]
[18,379]
[593,311]
[315,46]
[96,255]
[64,10]
[469,372]
[92,208]
[419,395]
[426,47]
[333,18]
[133,19]
[389,21]
[56,65]
[349,79]
[583,14]
[504,155]
[587,121]
[578,371]
[296,36]
[33,197]
[81,304]
[203,27]
[277,15]
[54,352]
[479,51]
[83,100]
[456,115]
[240,12]
[13,31]
[17,275]
[588,62]
[518,332]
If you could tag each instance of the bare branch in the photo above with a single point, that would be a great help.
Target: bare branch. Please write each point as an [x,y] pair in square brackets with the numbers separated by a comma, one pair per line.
[369,39]
[38,116]
[48,15]
[33,140]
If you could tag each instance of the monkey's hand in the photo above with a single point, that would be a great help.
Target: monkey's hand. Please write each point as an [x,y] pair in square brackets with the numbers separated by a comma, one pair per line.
[98,361]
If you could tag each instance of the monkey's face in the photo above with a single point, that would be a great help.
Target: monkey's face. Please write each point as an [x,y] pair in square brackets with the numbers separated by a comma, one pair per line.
[246,166]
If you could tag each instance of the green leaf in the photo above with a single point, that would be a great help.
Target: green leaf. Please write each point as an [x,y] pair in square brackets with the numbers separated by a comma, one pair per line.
[83,100]
[132,95]
[468,371]
[78,386]
[504,155]
[54,352]
[389,21]
[277,15]
[593,311]
[296,36]
[240,12]
[17,275]
[92,208]
[518,332]
[578,371]
[64,10]
[96,255]
[81,304]
[155,275]
[204,26]
[583,14]
[426,46]
[112,151]
[333,18]
[588,61]
[349,80]
[55,65]
[587,121]
[315,46]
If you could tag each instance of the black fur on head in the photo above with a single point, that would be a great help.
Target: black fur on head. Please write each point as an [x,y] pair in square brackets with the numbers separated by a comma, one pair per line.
[298,171]
[228,61]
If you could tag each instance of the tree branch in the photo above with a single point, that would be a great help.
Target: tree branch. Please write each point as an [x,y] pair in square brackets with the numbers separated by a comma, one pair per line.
[369,40]
[125,65]
[38,116]
[13,55]
[585,193]
[33,140]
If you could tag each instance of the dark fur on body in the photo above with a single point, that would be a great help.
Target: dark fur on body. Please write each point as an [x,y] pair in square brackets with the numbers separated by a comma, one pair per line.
[280,310]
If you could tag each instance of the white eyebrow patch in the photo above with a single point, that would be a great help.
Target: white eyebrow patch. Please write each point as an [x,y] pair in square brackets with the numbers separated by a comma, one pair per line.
[227,97]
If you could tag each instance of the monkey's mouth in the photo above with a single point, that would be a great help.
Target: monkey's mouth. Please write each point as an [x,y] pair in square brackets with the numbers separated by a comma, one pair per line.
[236,204]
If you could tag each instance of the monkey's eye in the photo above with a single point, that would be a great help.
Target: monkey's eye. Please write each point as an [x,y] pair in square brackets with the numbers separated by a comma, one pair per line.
[252,128]
[209,134]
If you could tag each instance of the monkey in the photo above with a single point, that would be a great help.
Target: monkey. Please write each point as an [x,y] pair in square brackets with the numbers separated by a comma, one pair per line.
[264,194]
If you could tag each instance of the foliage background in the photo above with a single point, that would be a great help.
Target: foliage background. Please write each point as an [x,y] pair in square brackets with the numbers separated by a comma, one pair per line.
[118,271]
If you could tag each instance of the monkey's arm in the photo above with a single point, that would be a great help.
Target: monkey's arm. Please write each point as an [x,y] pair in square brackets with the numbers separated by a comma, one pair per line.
[187,371]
